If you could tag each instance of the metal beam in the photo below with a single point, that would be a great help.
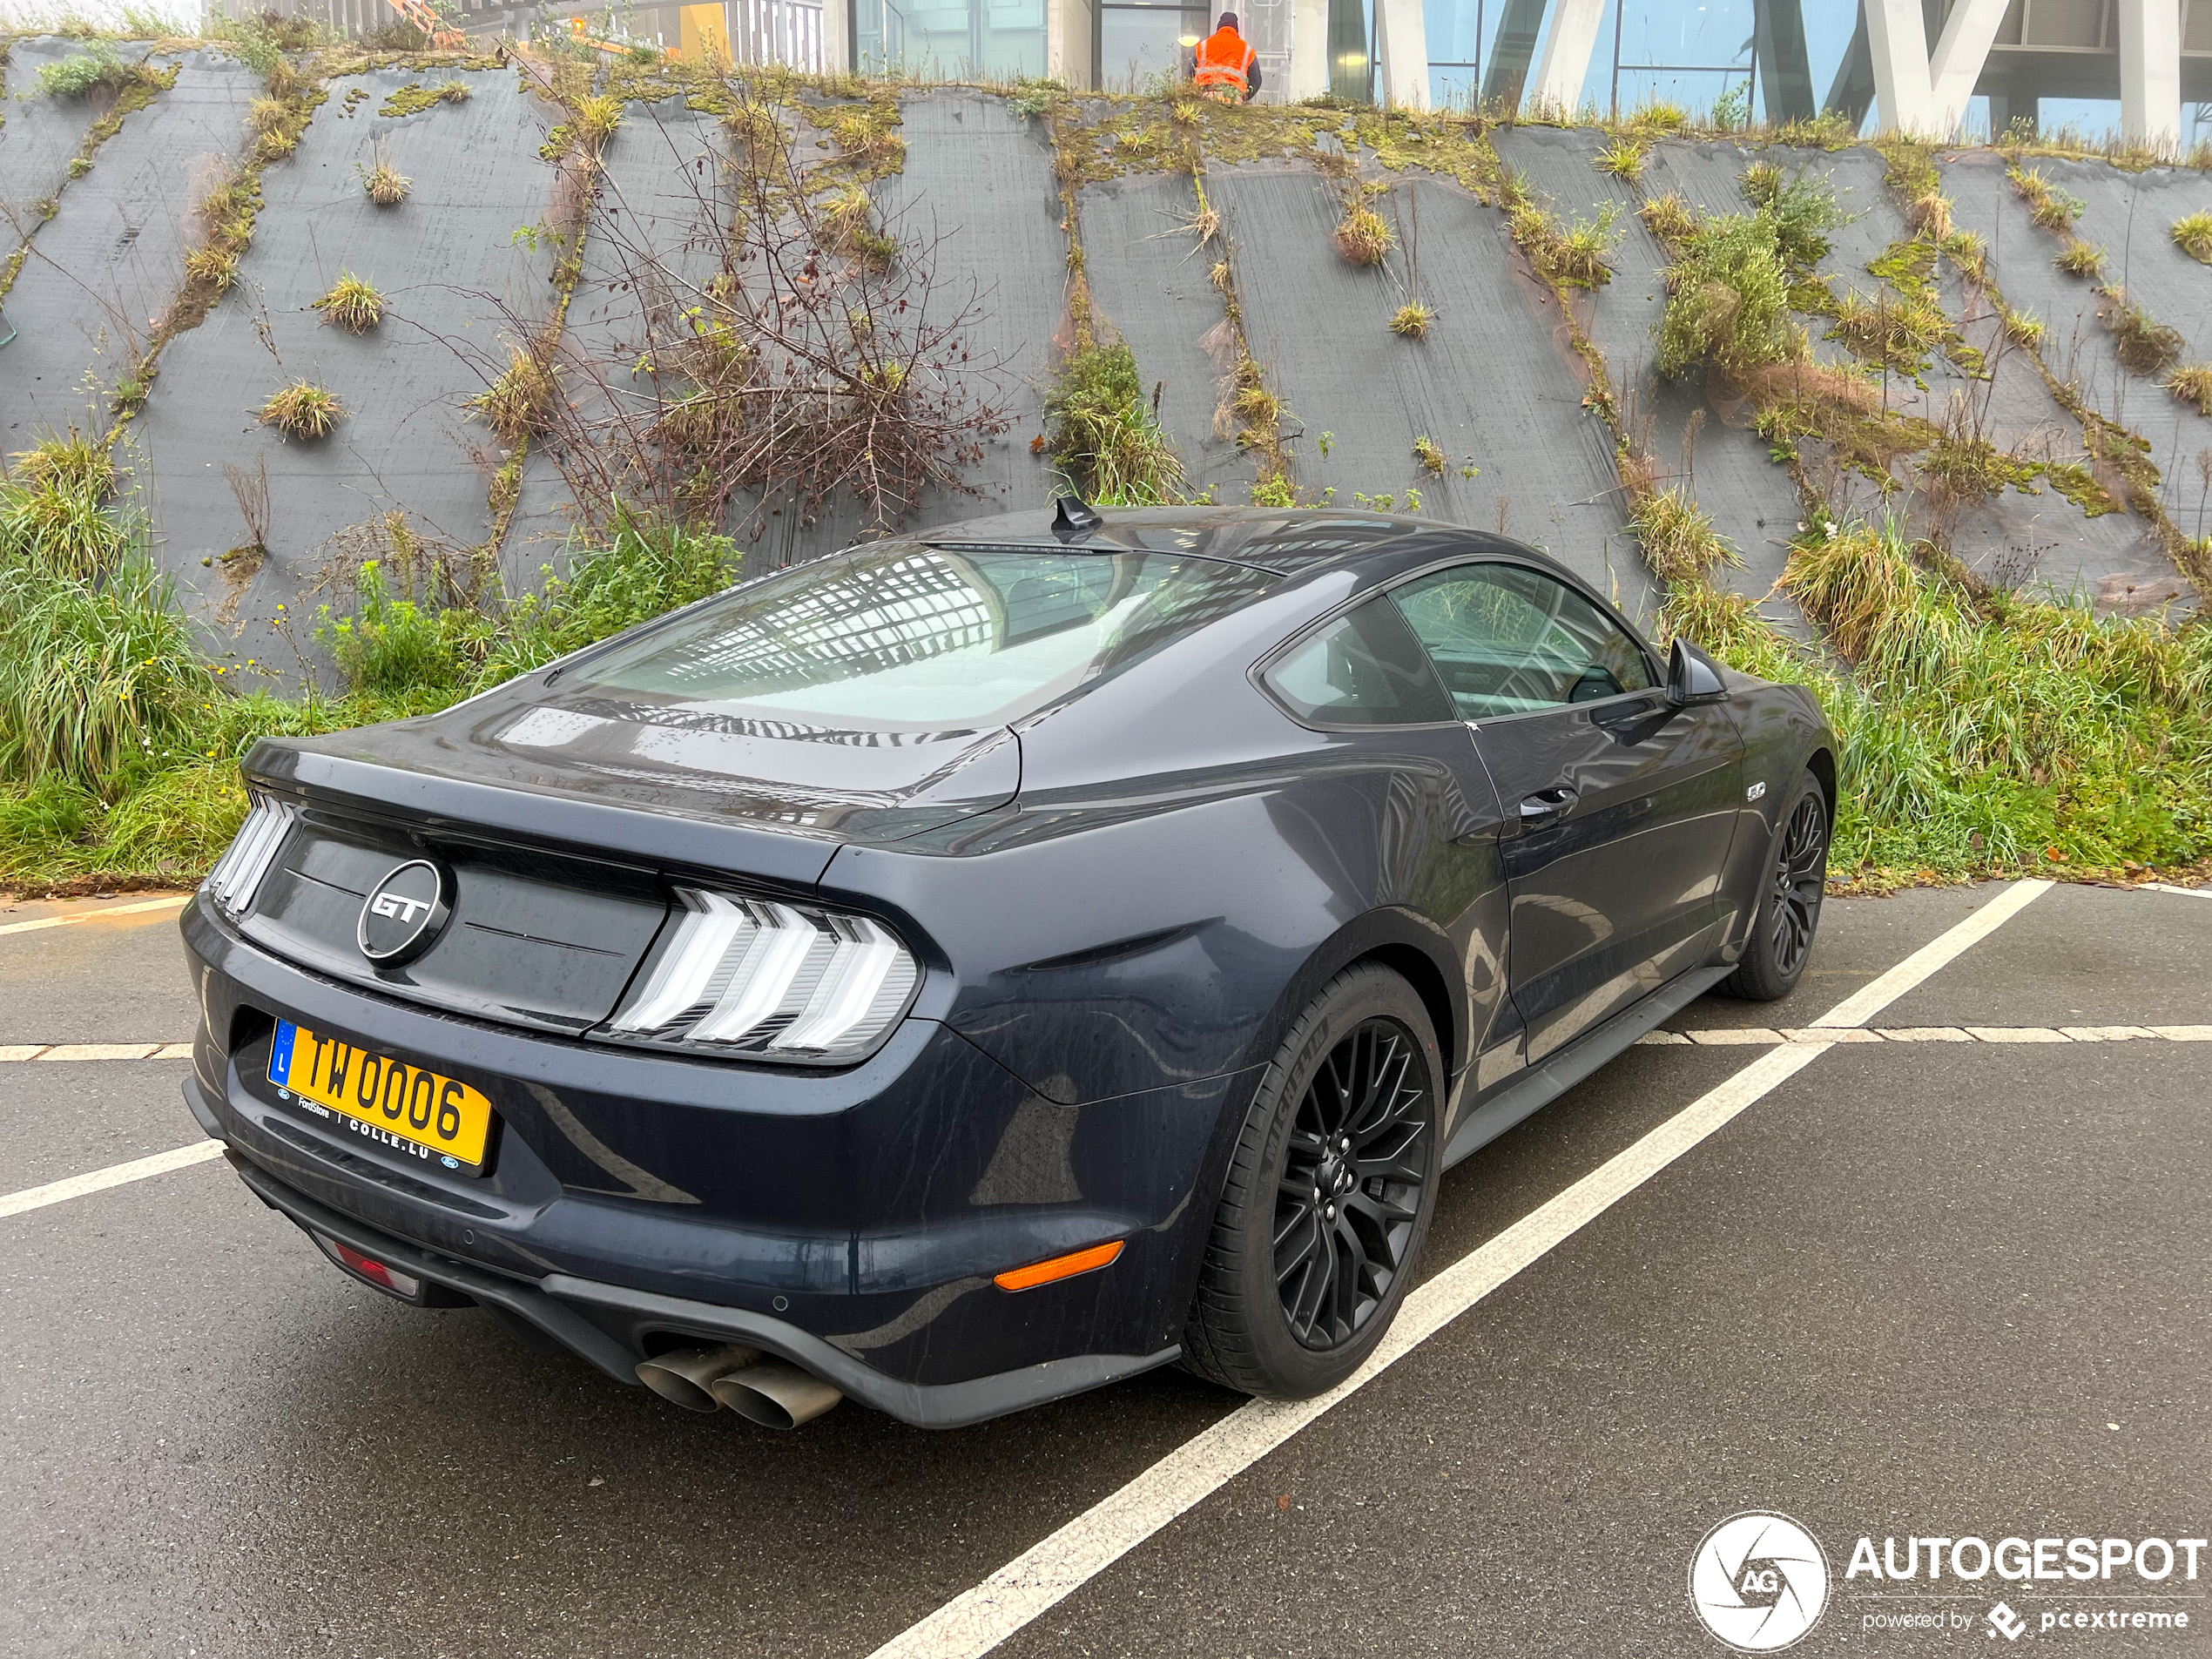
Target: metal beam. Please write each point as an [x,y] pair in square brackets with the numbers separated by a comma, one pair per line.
[1516,47]
[1778,36]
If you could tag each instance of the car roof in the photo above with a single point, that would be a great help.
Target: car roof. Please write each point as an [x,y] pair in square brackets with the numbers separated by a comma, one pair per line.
[1281,540]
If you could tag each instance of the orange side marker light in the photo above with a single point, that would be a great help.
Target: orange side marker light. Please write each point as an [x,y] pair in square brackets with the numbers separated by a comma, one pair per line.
[1081,1261]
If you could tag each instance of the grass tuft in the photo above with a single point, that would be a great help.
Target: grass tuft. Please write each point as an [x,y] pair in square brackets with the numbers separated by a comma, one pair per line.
[1103,435]
[2193,235]
[1623,159]
[303,410]
[1670,219]
[519,402]
[2192,383]
[1412,320]
[385,185]
[2142,344]
[1364,237]
[2081,259]
[351,304]
[1429,454]
[1679,541]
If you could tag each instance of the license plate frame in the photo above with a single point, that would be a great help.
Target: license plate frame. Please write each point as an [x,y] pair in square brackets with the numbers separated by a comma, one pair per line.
[402,1108]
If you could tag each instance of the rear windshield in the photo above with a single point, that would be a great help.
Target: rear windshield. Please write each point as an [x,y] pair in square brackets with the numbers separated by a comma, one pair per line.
[901,637]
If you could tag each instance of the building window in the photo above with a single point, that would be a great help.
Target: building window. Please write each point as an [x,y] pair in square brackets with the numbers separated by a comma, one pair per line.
[961,40]
[1144,43]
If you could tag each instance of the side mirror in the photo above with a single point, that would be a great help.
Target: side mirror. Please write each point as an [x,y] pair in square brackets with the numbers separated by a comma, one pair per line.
[1692,676]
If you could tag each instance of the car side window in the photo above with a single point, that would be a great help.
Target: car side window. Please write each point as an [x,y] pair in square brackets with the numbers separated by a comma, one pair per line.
[1506,640]
[1364,668]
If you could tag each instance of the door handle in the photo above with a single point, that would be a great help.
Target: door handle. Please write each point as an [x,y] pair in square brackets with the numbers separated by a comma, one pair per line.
[1546,808]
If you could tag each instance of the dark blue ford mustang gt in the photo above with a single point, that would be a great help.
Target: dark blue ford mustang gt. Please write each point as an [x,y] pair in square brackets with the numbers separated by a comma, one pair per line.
[994,961]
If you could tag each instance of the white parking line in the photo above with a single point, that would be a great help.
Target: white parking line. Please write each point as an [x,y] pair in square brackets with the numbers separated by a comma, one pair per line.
[1754,1036]
[978,1619]
[2187,892]
[115,1175]
[17,1051]
[172,902]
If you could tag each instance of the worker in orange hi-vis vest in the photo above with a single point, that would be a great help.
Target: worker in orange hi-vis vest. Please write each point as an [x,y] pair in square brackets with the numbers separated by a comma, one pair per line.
[1228,69]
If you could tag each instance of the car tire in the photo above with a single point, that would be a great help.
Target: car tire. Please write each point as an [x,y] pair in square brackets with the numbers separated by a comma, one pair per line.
[1790,887]
[1353,1103]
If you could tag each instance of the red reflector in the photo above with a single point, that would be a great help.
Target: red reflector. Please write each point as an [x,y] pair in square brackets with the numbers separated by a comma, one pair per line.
[1081,1261]
[399,1284]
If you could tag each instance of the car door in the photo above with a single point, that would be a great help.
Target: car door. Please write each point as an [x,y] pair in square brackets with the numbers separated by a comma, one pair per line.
[1619,806]
[1432,841]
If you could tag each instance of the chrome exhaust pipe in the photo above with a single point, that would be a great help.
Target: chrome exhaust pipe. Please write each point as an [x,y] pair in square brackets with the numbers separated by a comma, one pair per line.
[685,1376]
[774,1394]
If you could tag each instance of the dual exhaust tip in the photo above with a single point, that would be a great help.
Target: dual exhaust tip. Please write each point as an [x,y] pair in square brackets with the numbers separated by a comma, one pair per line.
[768,1391]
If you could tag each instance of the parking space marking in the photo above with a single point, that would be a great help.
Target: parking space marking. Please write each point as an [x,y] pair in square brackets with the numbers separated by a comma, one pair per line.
[2187,892]
[978,1619]
[15,1051]
[1737,1037]
[174,901]
[115,1175]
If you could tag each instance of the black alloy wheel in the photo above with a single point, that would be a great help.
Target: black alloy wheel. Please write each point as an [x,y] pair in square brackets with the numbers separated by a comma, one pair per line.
[1800,876]
[1328,1196]
[1788,898]
[1358,1158]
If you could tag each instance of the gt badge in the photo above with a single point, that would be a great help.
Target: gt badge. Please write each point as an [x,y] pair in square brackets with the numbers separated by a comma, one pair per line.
[403,913]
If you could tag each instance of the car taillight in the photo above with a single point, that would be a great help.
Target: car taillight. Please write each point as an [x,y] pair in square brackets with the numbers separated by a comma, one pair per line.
[238,873]
[769,980]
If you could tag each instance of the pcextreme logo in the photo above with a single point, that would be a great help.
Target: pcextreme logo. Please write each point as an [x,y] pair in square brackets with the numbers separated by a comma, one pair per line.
[1759,1582]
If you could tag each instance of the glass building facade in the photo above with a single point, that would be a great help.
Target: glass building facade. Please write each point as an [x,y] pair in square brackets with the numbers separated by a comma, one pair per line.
[951,39]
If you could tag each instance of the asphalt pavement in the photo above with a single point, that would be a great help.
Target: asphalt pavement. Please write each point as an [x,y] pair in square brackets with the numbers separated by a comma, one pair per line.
[1945,1287]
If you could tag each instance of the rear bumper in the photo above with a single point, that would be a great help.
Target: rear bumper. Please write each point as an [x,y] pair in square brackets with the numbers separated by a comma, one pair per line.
[849,1221]
[612,1326]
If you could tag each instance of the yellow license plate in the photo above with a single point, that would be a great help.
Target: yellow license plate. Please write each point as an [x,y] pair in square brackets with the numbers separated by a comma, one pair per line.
[399,1106]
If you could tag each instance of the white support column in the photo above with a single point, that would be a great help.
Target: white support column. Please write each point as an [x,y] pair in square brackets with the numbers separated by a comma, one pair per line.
[1309,49]
[1401,37]
[837,37]
[1566,65]
[1899,45]
[1067,42]
[1959,59]
[2150,72]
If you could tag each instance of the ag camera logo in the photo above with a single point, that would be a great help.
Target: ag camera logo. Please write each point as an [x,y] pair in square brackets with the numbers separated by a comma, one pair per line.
[1759,1582]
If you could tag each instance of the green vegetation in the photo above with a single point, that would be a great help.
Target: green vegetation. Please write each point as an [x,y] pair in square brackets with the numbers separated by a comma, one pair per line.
[1429,454]
[2081,259]
[1412,320]
[1727,300]
[1364,237]
[78,74]
[119,743]
[1623,158]
[517,404]
[2193,235]
[2192,383]
[1105,437]
[303,409]
[413,97]
[1996,732]
[351,304]
[385,185]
